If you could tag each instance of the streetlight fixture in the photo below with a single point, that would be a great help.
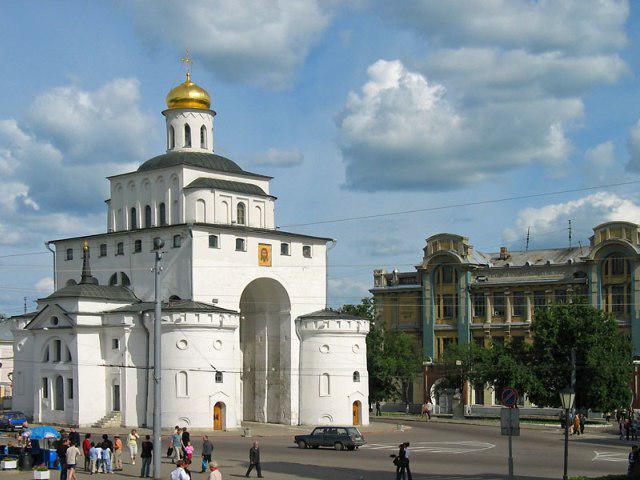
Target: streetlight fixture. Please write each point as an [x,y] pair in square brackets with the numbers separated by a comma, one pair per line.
[567,397]
[158,245]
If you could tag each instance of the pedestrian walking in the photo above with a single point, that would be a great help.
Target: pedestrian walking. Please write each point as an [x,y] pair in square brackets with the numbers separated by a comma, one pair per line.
[145,457]
[93,459]
[399,462]
[133,445]
[86,446]
[99,457]
[107,453]
[627,428]
[117,453]
[176,443]
[254,460]
[73,452]
[207,450]
[429,408]
[74,437]
[61,451]
[378,409]
[576,424]
[185,440]
[634,462]
[214,472]
[583,421]
[188,451]
[179,472]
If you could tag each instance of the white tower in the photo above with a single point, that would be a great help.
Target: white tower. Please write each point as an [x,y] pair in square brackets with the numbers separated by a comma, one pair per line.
[189,118]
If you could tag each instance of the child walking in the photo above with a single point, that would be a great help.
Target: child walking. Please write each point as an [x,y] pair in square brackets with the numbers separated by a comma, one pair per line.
[93,458]
[106,459]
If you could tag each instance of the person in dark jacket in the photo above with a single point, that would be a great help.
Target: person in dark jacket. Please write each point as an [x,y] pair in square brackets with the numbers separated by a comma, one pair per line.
[207,450]
[254,460]
[74,437]
[61,451]
[186,438]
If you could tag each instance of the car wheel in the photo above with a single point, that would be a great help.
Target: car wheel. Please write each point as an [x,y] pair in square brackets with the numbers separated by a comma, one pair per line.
[352,448]
[315,446]
[302,444]
[338,446]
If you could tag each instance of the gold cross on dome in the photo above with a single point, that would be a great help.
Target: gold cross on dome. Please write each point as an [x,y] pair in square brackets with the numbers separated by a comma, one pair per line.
[188,61]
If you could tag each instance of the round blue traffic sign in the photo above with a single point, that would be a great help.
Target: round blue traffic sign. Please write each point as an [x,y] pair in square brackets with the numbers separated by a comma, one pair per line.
[509,397]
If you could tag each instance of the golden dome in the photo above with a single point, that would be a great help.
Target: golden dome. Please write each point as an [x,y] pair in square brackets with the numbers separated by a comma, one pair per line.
[188,95]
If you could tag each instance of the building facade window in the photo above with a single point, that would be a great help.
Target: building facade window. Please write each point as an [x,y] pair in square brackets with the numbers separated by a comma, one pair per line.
[306,251]
[539,300]
[285,249]
[182,384]
[134,218]
[203,137]
[177,241]
[356,376]
[616,286]
[120,248]
[45,387]
[241,245]
[103,250]
[70,388]
[137,246]
[241,214]
[479,305]
[115,344]
[214,241]
[519,306]
[69,254]
[162,214]
[325,385]
[219,377]
[445,290]
[498,304]
[57,350]
[147,216]
[58,398]
[187,135]
[172,137]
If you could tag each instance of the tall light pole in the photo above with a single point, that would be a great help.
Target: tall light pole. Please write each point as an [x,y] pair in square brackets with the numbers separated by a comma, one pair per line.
[567,396]
[158,244]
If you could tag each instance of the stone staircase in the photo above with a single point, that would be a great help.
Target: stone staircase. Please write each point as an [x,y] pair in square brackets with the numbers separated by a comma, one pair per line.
[111,420]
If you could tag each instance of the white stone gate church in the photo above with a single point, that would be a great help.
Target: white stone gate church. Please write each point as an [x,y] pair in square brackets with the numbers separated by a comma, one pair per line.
[245,332]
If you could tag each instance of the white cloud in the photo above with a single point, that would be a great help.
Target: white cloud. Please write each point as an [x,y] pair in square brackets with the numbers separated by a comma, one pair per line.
[633,146]
[276,157]
[53,163]
[401,132]
[549,223]
[347,290]
[600,162]
[44,285]
[256,41]
[500,86]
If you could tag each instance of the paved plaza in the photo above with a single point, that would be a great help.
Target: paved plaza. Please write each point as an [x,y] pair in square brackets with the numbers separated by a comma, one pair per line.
[439,451]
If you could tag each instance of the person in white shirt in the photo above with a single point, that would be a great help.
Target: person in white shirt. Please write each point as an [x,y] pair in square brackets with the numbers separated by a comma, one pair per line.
[179,473]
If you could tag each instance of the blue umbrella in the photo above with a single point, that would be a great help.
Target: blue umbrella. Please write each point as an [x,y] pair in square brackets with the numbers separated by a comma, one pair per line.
[39,433]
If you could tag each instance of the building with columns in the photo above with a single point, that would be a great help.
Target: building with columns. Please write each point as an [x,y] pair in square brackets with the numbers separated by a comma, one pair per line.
[245,331]
[458,294]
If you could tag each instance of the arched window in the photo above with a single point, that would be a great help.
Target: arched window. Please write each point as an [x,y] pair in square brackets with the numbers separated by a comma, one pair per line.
[57,350]
[147,216]
[58,394]
[134,218]
[616,286]
[187,135]
[45,356]
[172,137]
[446,292]
[162,214]
[137,246]
[203,137]
[356,376]
[241,214]
[119,279]
[67,357]
[218,377]
[201,211]
[325,385]
[182,384]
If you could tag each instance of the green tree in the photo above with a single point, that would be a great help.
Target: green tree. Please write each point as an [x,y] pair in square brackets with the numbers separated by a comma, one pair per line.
[603,357]
[393,357]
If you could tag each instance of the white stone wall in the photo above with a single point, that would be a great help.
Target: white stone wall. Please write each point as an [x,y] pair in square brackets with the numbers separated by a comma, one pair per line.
[337,349]
[196,119]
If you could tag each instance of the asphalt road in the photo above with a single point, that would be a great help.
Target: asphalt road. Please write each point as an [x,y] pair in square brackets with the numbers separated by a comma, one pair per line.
[439,451]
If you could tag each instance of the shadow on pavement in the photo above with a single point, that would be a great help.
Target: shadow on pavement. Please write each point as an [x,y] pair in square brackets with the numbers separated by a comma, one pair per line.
[316,472]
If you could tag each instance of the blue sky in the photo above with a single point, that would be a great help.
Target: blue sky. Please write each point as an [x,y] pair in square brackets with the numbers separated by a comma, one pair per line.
[355,107]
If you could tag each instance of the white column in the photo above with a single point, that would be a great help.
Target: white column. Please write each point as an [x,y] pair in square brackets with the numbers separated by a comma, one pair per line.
[528,299]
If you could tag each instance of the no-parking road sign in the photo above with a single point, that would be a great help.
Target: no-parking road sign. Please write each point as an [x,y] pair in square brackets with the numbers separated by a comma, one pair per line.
[509,397]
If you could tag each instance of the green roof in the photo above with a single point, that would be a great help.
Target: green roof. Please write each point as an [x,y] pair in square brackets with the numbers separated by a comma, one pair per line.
[209,161]
[330,314]
[173,306]
[103,292]
[229,186]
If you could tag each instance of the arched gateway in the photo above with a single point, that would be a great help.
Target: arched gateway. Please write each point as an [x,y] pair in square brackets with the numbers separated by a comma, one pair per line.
[265,343]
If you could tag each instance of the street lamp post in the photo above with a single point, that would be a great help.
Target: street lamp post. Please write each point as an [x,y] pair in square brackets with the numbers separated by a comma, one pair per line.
[567,396]
[158,244]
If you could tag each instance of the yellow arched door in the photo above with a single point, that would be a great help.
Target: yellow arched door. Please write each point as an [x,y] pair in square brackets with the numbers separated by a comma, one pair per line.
[217,416]
[356,413]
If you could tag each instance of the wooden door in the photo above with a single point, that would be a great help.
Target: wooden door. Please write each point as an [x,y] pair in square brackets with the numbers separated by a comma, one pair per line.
[217,416]
[356,413]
